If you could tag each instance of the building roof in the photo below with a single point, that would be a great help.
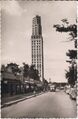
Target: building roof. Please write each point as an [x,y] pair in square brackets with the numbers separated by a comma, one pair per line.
[8,75]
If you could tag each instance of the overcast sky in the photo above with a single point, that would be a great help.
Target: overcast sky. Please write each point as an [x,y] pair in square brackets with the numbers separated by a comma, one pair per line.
[17,29]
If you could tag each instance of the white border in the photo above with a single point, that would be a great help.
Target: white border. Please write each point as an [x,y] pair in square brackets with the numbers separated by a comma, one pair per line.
[77,59]
[0,59]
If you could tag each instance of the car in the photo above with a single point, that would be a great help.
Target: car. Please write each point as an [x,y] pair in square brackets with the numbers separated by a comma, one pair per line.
[61,88]
[73,93]
[52,88]
[67,89]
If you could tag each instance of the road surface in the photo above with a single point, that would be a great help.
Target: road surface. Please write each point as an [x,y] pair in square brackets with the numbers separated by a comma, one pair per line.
[48,105]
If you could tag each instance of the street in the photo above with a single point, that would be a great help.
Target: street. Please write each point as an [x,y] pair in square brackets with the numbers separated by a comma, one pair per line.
[48,105]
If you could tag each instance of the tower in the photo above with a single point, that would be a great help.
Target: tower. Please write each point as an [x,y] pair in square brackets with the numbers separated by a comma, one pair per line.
[37,46]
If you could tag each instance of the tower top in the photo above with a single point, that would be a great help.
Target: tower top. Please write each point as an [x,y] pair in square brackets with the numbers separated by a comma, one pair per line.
[37,16]
[36,26]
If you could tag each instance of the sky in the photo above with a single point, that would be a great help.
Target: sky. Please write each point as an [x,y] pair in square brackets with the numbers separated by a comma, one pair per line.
[17,30]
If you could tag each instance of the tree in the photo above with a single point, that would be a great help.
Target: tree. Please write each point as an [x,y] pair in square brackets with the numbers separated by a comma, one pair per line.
[71,75]
[36,74]
[71,29]
[25,70]
[72,54]
[14,67]
[3,68]
[30,71]
[45,81]
[45,85]
[33,73]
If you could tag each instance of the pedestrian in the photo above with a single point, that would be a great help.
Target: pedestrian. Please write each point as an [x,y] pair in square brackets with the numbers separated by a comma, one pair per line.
[34,91]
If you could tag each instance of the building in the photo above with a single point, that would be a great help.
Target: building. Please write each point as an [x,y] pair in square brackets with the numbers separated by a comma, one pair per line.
[10,84]
[37,46]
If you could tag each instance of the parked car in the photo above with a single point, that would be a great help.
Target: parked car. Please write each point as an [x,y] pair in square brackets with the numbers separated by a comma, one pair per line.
[67,89]
[73,92]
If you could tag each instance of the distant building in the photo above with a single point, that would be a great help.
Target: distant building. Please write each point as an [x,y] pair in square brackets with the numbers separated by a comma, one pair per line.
[37,46]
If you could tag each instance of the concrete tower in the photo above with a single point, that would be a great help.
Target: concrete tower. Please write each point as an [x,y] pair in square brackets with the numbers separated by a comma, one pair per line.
[37,46]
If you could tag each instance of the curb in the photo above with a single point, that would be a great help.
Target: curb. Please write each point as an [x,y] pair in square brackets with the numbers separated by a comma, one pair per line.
[16,101]
[19,100]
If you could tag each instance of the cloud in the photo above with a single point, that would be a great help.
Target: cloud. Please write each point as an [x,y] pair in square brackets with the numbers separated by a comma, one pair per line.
[12,7]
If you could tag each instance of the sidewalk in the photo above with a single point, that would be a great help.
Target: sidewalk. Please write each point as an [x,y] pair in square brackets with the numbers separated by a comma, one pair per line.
[15,99]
